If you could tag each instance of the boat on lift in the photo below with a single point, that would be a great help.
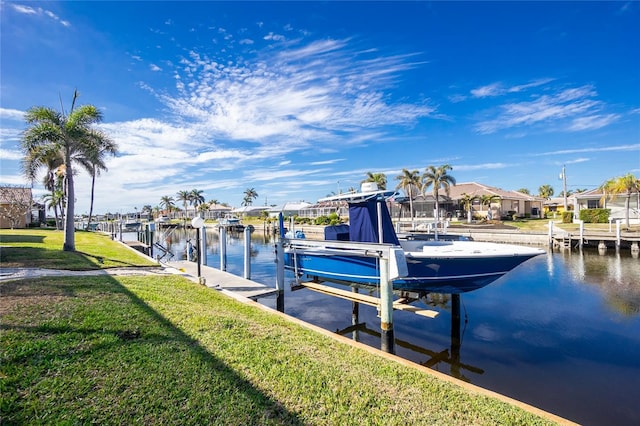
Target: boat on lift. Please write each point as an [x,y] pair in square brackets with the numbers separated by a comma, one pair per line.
[439,265]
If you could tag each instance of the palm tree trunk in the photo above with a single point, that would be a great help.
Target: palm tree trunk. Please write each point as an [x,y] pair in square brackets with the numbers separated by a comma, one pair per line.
[93,185]
[626,210]
[69,236]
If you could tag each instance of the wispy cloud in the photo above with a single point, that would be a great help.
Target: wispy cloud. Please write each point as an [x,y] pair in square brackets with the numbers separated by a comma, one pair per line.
[11,114]
[484,166]
[632,147]
[305,93]
[499,89]
[575,105]
[38,11]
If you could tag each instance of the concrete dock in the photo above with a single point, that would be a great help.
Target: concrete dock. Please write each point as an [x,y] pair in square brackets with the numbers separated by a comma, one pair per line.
[221,280]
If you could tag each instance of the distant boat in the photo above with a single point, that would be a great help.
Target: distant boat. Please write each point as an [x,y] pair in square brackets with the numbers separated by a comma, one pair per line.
[231,222]
[441,265]
[132,226]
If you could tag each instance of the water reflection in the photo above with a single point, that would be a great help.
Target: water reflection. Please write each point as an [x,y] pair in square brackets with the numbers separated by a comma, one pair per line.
[449,356]
[616,276]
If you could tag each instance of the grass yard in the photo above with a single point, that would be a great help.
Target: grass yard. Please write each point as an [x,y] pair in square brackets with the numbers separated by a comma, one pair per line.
[42,248]
[164,350]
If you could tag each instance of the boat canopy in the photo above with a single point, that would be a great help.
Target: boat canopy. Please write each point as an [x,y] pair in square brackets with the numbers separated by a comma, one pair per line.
[363,222]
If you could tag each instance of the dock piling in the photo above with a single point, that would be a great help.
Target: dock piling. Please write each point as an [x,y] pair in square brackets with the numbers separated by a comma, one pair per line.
[247,253]
[223,248]
[280,274]
[386,307]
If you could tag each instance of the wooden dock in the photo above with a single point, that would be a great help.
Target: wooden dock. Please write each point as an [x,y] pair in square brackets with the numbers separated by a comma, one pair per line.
[597,240]
[221,280]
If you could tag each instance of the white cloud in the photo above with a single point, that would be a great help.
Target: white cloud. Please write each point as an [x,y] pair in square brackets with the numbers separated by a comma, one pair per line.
[304,93]
[592,122]
[154,67]
[633,147]
[469,167]
[574,104]
[27,10]
[11,114]
[498,89]
[10,154]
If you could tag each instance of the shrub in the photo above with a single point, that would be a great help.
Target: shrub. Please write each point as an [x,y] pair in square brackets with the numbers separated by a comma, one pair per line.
[567,217]
[595,215]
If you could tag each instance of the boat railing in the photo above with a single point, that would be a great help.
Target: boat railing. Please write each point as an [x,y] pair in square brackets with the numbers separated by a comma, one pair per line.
[341,247]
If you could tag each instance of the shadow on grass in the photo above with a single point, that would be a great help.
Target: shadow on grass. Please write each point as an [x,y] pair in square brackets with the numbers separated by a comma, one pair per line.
[14,238]
[35,257]
[134,360]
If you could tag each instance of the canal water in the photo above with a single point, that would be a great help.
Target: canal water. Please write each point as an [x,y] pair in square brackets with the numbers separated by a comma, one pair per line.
[560,332]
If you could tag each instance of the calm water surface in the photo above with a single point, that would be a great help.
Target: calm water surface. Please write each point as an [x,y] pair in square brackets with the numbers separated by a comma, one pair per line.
[560,332]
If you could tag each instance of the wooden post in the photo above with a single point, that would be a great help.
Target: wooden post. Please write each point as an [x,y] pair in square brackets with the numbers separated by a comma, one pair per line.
[386,307]
[550,233]
[247,253]
[223,248]
[617,234]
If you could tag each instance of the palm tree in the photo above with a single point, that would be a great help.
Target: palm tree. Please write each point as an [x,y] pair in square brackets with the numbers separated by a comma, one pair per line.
[379,179]
[48,132]
[546,191]
[250,194]
[196,198]
[437,178]
[53,201]
[524,191]
[487,200]
[410,183]
[623,185]
[185,197]
[467,200]
[95,163]
[167,203]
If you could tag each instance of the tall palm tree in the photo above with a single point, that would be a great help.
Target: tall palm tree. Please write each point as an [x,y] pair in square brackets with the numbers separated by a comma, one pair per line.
[94,163]
[50,131]
[623,185]
[467,200]
[437,177]
[185,197]
[410,183]
[167,203]
[545,191]
[379,179]
[250,194]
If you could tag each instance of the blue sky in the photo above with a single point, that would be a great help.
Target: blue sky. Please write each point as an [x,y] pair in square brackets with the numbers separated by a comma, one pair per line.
[301,99]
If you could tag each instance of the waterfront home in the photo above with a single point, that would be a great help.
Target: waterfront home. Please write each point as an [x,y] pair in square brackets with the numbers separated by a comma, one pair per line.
[554,206]
[595,199]
[289,209]
[500,203]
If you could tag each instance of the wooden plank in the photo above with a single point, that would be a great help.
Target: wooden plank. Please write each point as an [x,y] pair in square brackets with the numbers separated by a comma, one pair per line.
[366,299]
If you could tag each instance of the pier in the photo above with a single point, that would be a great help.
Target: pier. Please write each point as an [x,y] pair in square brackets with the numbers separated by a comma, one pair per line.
[221,280]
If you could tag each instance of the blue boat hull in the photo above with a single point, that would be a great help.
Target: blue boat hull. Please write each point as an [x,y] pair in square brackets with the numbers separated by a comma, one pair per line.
[435,275]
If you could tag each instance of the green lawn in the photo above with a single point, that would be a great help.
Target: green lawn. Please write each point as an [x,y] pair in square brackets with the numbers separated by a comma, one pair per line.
[42,248]
[164,350]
